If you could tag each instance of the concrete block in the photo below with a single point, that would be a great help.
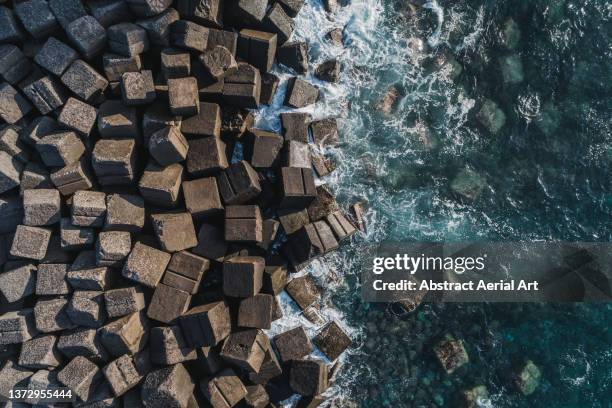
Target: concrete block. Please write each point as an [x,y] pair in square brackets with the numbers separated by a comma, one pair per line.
[41,207]
[174,231]
[293,344]
[167,387]
[78,116]
[124,301]
[66,11]
[256,311]
[36,17]
[295,126]
[270,368]
[218,62]
[10,172]
[124,212]
[168,303]
[246,349]
[145,265]
[87,36]
[17,281]
[117,65]
[242,276]
[11,143]
[206,12]
[277,21]
[206,156]
[14,65]
[224,390]
[109,12]
[211,243]
[126,335]
[185,271]
[75,238]
[86,309]
[126,372]
[300,93]
[239,183]
[127,39]
[112,247]
[10,31]
[183,96]
[81,376]
[17,326]
[88,208]
[34,176]
[40,353]
[329,71]
[14,105]
[50,315]
[60,149]
[137,88]
[175,63]
[168,146]
[158,27]
[82,342]
[148,8]
[30,242]
[332,340]
[86,274]
[308,377]
[206,325]
[202,197]
[243,223]
[269,86]
[117,121]
[263,148]
[160,185]
[304,291]
[294,55]
[298,188]
[84,81]
[169,347]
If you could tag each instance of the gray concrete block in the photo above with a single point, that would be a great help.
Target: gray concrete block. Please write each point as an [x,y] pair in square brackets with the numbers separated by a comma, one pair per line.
[168,303]
[167,387]
[17,326]
[13,105]
[206,325]
[124,212]
[127,39]
[293,344]
[85,274]
[126,335]
[183,96]
[60,149]
[17,281]
[82,342]
[50,315]
[30,242]
[55,56]
[51,279]
[46,94]
[169,347]
[75,238]
[145,265]
[202,197]
[40,353]
[126,372]
[86,308]
[168,146]
[175,231]
[161,185]
[88,208]
[41,207]
[87,36]
[81,376]
[84,81]
[124,301]
[137,88]
[78,116]
[36,17]
[112,247]
[10,172]
[246,349]
[71,178]
[117,121]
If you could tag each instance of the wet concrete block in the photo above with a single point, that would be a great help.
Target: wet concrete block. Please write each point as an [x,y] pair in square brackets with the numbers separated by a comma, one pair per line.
[296,154]
[71,179]
[189,35]
[239,183]
[298,188]
[308,377]
[246,349]
[274,279]
[14,65]
[168,346]
[10,31]
[11,143]
[14,105]
[112,247]
[247,12]
[115,120]
[256,311]
[206,12]
[81,376]
[126,372]
[84,81]
[126,335]
[168,146]
[329,71]
[82,342]
[145,265]
[243,223]
[243,87]
[30,242]
[325,132]
[294,55]
[269,230]
[40,353]
[87,36]
[148,8]
[85,273]
[158,27]
[168,303]
[123,301]
[185,271]
[202,197]
[224,390]
[263,148]
[55,56]
[117,65]
[17,326]
[88,208]
[211,243]
[332,340]
[206,156]
[78,116]
[258,48]
[17,281]
[277,21]
[60,149]
[124,212]
[50,315]
[10,172]
[304,291]
[293,344]
[36,17]
[175,63]
[41,207]
[451,354]
[137,88]
[270,368]
[114,161]
[300,93]
[295,126]
[74,238]
[269,86]
[206,325]
[218,62]
[86,309]
[183,96]
[160,185]
[167,387]
[340,225]
[323,205]
[127,39]
[175,231]
[243,276]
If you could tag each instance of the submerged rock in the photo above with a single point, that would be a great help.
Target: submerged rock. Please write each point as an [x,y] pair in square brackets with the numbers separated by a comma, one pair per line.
[329,71]
[335,37]
[511,68]
[475,397]
[528,378]
[468,184]
[549,119]
[491,116]
[451,354]
[388,103]
[510,34]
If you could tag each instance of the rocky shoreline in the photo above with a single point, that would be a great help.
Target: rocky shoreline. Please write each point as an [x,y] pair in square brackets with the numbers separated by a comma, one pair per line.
[147,226]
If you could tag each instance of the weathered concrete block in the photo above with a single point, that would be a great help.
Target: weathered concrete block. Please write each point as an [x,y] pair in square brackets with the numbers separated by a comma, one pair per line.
[323,205]
[270,368]
[340,225]
[304,291]
[78,116]
[42,380]
[87,36]
[206,12]
[322,164]
[329,71]
[30,242]
[243,223]
[296,154]
[308,377]
[137,88]
[11,32]
[86,274]
[86,309]
[82,342]
[88,208]
[127,39]
[117,65]
[325,132]
[41,207]
[10,172]
[256,311]
[183,96]
[269,231]
[211,243]
[126,335]
[145,265]
[235,121]
[298,188]
[81,376]
[40,353]
[451,354]
[60,149]
[243,87]
[218,62]
[300,93]
[71,179]
[84,81]
[174,231]
[293,220]
[293,344]
[109,12]
[115,120]
[14,105]
[206,325]
[185,271]
[277,21]
[274,279]
[14,66]
[269,86]
[258,48]
[202,197]
[17,281]
[17,326]
[294,55]
[248,12]
[292,7]
[148,8]
[34,176]
[11,143]
[175,63]
[10,376]
[295,126]
[124,212]
[242,276]
[224,390]
[160,185]
[158,27]
[123,301]
[239,183]
[46,94]
[246,349]
[112,247]
[167,387]
[50,315]
[168,303]
[189,35]
[206,156]
[66,11]
[332,340]
[126,372]
[168,346]
[36,17]
[75,238]
[263,148]
[168,146]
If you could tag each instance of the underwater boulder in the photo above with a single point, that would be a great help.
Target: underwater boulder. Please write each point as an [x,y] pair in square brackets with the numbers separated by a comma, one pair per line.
[388,102]
[528,378]
[475,397]
[468,184]
[491,116]
[549,119]
[511,68]
[451,354]
[510,34]
[329,71]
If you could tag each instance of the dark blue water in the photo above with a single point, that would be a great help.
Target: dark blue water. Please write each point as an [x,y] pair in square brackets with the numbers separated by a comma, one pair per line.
[535,165]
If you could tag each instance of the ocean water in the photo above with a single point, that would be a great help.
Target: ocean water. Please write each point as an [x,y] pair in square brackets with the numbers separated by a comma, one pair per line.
[536,166]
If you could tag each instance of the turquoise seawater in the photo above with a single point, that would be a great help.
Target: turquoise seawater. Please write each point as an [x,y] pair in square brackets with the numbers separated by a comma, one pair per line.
[501,130]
